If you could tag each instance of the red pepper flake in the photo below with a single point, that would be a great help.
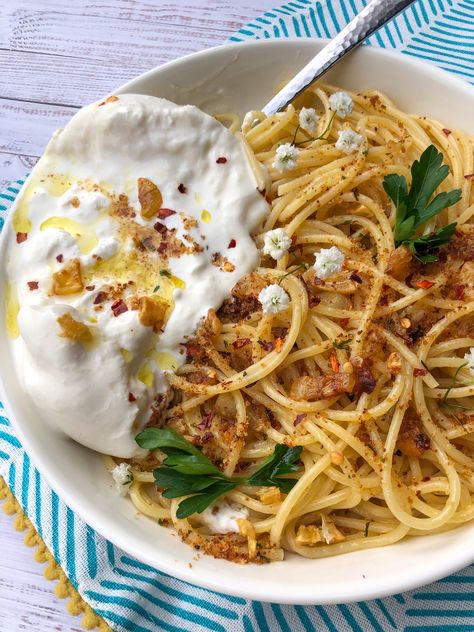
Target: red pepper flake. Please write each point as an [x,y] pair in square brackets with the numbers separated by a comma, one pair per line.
[262,192]
[163,213]
[192,350]
[425,479]
[182,189]
[468,176]
[446,131]
[206,421]
[131,397]
[266,345]
[419,372]
[100,298]
[163,247]
[268,200]
[232,243]
[299,418]
[21,237]
[334,363]
[356,277]
[221,160]
[344,322]
[424,284]
[278,345]
[313,301]
[160,228]
[32,285]
[241,342]
[458,291]
[59,258]
[118,307]
[90,288]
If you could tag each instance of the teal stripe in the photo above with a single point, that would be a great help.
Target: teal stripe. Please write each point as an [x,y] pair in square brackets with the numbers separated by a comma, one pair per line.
[179,594]
[91,552]
[7,197]
[305,26]
[12,477]
[370,617]
[38,504]
[4,421]
[399,598]
[70,547]
[25,483]
[173,609]
[333,16]
[296,26]
[416,612]
[280,618]
[260,616]
[111,554]
[284,30]
[385,612]
[10,439]
[314,21]
[55,524]
[437,596]
[305,620]
[322,19]
[4,455]
[118,619]
[322,613]
[355,627]
[247,624]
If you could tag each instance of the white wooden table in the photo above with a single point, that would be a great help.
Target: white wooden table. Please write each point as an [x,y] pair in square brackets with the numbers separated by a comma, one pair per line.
[56,55]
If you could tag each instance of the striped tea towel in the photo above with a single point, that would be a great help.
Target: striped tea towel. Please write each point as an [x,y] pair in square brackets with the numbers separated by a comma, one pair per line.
[132,596]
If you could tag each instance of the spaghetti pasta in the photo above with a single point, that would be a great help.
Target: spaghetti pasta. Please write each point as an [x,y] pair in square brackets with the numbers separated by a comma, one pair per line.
[365,370]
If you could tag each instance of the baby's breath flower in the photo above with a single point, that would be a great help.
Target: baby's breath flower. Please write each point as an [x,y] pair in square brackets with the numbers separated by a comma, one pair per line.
[328,262]
[348,141]
[276,243]
[250,120]
[469,358]
[123,478]
[308,120]
[286,157]
[274,299]
[341,103]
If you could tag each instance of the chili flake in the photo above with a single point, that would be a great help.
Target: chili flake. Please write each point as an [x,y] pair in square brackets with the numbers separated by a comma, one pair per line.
[32,285]
[299,418]
[424,284]
[468,176]
[59,258]
[21,237]
[118,307]
[267,345]
[232,243]
[131,397]
[182,189]
[100,298]
[241,342]
[334,363]
[446,131]
[89,288]
[278,345]
[160,228]
[221,160]
[163,213]
[206,421]
[356,277]
[419,372]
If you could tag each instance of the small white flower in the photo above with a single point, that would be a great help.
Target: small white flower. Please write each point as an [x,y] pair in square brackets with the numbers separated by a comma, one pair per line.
[469,358]
[250,120]
[123,478]
[286,157]
[308,120]
[276,243]
[328,262]
[341,103]
[348,141]
[274,299]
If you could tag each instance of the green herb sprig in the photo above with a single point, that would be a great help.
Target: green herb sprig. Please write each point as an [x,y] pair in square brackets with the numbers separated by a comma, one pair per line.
[342,343]
[455,383]
[416,206]
[187,472]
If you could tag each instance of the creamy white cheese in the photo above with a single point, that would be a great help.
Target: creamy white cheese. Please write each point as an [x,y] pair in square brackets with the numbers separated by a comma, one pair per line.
[100,393]
[222,517]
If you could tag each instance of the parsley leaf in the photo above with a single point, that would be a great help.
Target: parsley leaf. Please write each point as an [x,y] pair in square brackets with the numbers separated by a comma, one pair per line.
[343,343]
[415,206]
[186,471]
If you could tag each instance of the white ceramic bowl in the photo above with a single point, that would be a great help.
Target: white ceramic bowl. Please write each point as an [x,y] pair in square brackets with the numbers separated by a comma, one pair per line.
[242,77]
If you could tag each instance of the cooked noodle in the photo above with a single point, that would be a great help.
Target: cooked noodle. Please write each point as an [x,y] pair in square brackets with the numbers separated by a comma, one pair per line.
[380,463]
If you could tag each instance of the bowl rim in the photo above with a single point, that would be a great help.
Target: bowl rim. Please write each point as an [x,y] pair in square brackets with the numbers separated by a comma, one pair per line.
[361,592]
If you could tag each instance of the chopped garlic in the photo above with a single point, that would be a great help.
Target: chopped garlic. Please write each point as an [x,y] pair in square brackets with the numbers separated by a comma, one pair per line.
[223,517]
[123,478]
[330,532]
[341,103]
[469,358]
[348,141]
[328,262]
[270,496]
[286,157]
[308,120]
[276,243]
[274,299]
[308,535]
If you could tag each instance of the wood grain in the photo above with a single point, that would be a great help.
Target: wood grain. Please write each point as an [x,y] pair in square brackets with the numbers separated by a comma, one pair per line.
[56,55]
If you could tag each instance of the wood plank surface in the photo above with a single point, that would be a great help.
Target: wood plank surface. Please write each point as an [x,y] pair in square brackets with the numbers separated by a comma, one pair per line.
[56,55]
